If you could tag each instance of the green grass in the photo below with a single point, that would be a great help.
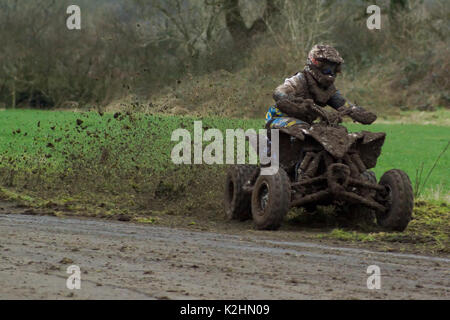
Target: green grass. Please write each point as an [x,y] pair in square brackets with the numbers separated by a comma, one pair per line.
[119,159]
[407,146]
[52,142]
[428,231]
[440,117]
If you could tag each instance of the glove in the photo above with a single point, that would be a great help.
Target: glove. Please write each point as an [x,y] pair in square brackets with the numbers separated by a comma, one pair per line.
[361,115]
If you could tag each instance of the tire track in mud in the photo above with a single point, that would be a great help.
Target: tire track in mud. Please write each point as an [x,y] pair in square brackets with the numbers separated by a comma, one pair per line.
[125,260]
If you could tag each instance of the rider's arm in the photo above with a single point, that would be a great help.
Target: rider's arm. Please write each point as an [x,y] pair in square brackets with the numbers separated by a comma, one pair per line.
[337,101]
[299,108]
[358,114]
[288,89]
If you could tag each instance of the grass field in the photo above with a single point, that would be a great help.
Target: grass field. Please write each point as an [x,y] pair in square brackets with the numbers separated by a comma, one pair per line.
[55,142]
[115,165]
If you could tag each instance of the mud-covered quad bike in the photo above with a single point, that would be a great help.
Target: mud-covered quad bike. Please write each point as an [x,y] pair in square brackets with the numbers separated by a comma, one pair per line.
[321,165]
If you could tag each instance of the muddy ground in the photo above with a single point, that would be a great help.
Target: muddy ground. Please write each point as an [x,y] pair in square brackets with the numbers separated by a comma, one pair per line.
[123,260]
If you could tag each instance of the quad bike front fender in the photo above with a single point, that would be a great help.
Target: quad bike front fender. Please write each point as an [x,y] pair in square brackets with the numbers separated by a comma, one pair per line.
[369,147]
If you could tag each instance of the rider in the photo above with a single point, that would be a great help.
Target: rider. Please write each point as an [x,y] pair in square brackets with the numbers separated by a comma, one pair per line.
[297,96]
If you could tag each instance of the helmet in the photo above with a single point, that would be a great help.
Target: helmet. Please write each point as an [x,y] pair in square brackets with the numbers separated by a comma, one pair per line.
[324,53]
[324,63]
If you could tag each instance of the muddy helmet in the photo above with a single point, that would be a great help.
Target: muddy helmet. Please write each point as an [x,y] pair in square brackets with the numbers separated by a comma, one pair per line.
[320,53]
[324,63]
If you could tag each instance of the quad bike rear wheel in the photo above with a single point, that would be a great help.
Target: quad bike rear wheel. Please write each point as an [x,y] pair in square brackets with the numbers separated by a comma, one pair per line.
[400,201]
[237,200]
[271,199]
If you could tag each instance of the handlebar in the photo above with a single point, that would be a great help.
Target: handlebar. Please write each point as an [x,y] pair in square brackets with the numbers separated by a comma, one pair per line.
[356,113]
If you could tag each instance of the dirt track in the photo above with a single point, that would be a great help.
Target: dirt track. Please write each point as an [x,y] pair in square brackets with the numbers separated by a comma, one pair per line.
[125,261]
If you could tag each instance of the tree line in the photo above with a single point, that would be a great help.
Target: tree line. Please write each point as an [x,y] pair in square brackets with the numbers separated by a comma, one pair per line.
[140,46]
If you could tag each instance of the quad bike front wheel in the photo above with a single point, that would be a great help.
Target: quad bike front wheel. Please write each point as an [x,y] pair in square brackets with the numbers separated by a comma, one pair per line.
[237,200]
[271,199]
[399,198]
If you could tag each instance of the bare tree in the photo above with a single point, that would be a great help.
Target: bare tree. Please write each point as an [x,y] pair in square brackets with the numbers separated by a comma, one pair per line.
[236,24]
[304,24]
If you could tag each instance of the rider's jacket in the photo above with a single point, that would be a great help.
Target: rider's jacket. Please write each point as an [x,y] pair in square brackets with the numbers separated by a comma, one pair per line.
[303,85]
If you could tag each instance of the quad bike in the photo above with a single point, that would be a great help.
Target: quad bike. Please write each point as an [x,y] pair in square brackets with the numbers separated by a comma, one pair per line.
[321,165]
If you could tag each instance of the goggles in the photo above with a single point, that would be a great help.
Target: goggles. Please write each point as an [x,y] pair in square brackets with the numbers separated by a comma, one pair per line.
[327,68]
